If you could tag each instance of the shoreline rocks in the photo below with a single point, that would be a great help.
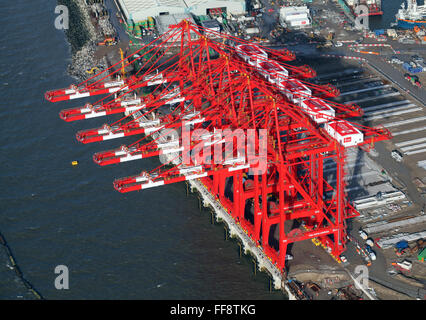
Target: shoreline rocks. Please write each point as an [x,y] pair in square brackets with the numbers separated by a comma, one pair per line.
[82,36]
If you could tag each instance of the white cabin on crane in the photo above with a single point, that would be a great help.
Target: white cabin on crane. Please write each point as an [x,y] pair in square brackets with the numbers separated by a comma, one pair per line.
[295,90]
[251,54]
[273,71]
[344,132]
[319,110]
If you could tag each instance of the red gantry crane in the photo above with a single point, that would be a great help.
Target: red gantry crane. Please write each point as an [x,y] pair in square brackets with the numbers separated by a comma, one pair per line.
[207,94]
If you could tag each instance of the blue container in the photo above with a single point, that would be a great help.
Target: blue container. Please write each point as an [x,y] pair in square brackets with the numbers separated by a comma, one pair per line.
[416,70]
[406,66]
[379,32]
[402,244]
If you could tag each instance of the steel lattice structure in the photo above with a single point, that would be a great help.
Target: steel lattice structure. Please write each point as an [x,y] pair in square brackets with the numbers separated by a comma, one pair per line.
[199,79]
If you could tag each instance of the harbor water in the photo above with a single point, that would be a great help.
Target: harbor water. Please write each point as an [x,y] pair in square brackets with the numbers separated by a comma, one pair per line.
[145,245]
[390,9]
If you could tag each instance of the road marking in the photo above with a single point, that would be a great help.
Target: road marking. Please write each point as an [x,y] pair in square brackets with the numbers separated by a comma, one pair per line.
[409,131]
[365,90]
[348,166]
[413,147]
[391,114]
[415,152]
[385,95]
[385,105]
[398,123]
[422,164]
[358,81]
[407,143]
[396,108]
[359,175]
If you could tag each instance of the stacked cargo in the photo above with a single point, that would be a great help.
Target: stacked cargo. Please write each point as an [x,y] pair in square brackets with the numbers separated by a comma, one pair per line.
[422,255]
[151,23]
[137,31]
[412,67]
[139,28]
[130,25]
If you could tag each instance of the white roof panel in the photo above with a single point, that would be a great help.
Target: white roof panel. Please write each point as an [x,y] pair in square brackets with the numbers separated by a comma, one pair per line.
[141,9]
[137,5]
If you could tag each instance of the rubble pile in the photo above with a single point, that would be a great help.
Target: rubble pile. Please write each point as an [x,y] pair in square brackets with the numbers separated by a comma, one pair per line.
[106,28]
[83,61]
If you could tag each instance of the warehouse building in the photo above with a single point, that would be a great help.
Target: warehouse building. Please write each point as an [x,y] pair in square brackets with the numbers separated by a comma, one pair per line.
[164,22]
[140,10]
[204,7]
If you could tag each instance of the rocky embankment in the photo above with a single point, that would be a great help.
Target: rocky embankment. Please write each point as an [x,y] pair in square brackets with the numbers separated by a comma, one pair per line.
[83,38]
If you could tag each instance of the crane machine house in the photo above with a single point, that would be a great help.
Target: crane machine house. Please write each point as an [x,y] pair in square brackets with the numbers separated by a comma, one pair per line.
[272,71]
[251,54]
[318,109]
[295,90]
[345,133]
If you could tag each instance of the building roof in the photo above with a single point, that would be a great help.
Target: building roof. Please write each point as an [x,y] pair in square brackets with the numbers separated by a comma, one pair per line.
[210,24]
[141,9]
[137,5]
[163,22]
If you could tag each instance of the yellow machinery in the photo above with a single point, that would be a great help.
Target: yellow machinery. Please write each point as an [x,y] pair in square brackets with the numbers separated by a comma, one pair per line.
[108,42]
[93,70]
[123,72]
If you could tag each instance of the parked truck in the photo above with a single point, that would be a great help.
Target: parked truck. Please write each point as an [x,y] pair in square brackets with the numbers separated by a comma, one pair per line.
[363,234]
[413,79]
[370,242]
[403,266]
[370,252]
[397,155]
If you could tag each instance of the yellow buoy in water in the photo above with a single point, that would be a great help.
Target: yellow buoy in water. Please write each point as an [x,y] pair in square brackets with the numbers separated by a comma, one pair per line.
[74,163]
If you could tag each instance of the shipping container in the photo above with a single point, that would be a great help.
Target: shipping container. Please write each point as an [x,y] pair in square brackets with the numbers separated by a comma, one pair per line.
[422,255]
[379,32]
